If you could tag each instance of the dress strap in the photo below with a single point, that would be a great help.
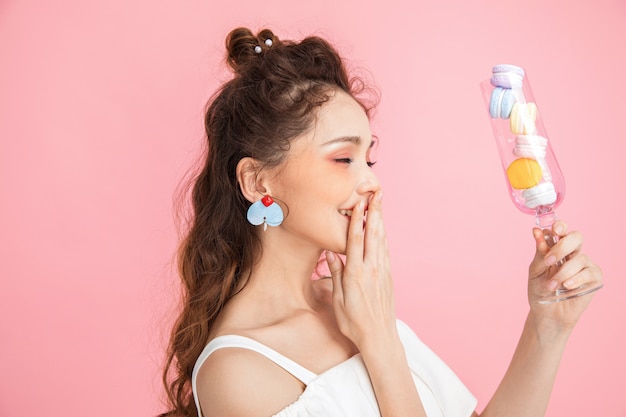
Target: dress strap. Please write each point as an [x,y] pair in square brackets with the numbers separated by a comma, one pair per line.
[236,341]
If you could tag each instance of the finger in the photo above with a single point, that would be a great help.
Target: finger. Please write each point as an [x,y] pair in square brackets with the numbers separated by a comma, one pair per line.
[559,228]
[571,267]
[568,245]
[374,228]
[335,266]
[590,274]
[354,249]
[538,266]
[540,241]
[574,271]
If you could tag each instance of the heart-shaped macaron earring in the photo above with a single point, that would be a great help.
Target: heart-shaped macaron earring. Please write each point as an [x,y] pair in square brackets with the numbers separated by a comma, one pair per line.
[265,212]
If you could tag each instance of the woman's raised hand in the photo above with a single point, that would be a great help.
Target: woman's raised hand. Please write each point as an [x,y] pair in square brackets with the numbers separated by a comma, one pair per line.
[545,275]
[363,298]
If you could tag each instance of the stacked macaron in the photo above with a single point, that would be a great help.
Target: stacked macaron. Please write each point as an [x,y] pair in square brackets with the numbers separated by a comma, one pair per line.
[535,147]
[529,172]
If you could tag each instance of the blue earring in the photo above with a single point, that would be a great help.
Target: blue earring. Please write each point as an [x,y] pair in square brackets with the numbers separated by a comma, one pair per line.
[265,211]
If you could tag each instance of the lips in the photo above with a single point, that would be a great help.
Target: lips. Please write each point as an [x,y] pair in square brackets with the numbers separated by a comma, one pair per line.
[348,213]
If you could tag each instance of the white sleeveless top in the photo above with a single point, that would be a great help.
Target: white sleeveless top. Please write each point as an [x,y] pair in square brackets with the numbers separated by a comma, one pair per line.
[346,390]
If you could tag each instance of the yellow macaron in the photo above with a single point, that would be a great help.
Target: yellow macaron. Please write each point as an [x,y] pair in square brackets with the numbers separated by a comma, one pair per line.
[523,117]
[524,173]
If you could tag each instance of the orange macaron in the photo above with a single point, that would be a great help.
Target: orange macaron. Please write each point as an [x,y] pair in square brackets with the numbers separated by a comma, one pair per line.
[524,173]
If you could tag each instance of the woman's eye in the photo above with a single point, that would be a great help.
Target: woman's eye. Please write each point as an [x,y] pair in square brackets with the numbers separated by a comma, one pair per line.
[350,160]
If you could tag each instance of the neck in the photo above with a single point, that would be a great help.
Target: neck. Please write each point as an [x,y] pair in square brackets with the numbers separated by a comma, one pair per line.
[284,271]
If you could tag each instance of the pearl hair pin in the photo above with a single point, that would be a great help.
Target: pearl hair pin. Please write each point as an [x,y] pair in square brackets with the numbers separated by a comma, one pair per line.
[268,42]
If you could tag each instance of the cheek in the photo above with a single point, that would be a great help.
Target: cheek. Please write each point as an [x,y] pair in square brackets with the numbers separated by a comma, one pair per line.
[306,185]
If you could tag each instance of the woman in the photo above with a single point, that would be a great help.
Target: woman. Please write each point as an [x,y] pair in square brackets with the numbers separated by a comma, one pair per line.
[287,181]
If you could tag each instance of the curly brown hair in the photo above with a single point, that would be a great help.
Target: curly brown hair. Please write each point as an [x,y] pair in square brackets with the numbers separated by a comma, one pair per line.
[272,98]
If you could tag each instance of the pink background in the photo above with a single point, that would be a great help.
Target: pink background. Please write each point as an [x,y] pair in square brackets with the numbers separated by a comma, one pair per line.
[101,109]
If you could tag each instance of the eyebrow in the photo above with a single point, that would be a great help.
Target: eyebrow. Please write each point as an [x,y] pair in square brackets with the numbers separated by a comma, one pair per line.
[352,139]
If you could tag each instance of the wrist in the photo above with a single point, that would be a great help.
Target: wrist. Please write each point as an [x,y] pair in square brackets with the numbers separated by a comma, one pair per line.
[385,343]
[385,357]
[548,330]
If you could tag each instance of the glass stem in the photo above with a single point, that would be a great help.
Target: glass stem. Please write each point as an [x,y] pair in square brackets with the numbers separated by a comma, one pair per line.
[545,217]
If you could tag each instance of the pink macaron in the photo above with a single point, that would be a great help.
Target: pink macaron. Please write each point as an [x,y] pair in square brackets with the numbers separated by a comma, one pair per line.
[530,146]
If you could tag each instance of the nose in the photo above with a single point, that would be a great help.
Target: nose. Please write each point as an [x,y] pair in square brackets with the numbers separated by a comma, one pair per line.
[369,183]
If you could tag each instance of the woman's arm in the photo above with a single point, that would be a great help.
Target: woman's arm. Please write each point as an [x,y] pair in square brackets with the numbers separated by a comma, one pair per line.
[364,307]
[391,378]
[527,384]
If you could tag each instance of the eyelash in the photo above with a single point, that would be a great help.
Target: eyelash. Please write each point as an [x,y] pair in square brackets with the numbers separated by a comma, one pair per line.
[350,160]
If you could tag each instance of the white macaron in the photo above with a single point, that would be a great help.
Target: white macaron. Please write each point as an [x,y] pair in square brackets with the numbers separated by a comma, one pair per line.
[543,194]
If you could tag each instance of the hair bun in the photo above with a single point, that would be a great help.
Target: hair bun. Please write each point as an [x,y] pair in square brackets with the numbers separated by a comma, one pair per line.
[243,46]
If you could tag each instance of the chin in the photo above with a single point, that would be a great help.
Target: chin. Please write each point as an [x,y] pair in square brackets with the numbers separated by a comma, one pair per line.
[337,244]
[339,248]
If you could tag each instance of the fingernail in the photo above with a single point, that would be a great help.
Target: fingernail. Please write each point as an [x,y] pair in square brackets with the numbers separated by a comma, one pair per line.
[379,196]
[330,256]
[569,284]
[550,260]
[558,229]
[552,285]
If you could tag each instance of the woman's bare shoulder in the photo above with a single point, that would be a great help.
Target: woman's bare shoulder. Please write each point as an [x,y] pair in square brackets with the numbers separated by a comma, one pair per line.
[240,382]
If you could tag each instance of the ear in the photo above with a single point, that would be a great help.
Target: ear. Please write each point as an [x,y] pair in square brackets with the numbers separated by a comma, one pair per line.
[250,179]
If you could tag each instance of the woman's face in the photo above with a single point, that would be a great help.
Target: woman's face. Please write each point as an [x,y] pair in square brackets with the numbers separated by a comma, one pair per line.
[326,173]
